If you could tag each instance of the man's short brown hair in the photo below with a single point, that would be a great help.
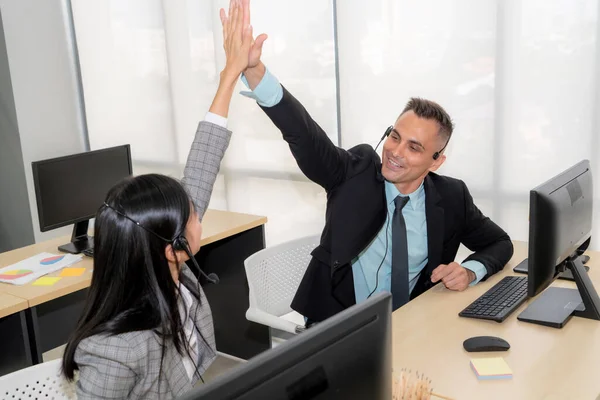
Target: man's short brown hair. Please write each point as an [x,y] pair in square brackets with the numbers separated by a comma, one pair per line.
[428,109]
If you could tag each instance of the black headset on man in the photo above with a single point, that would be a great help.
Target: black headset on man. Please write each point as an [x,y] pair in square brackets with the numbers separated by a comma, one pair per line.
[436,155]
[389,130]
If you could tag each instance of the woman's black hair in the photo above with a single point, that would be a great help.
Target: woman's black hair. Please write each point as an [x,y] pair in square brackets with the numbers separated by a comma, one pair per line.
[132,287]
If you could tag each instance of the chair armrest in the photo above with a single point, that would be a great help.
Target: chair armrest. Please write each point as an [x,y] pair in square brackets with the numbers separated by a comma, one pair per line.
[261,317]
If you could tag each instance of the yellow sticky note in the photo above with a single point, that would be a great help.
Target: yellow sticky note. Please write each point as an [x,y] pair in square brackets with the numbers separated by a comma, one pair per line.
[491,368]
[72,272]
[46,281]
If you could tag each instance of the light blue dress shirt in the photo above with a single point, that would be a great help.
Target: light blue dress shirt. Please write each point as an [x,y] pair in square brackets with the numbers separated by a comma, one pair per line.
[379,252]
[365,267]
[269,93]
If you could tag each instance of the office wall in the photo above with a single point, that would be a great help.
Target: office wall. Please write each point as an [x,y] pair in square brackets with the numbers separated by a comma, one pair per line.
[16,229]
[45,87]
[150,69]
[519,79]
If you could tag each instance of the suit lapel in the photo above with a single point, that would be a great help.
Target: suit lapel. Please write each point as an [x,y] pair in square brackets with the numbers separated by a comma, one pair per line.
[173,368]
[435,225]
[202,318]
[175,373]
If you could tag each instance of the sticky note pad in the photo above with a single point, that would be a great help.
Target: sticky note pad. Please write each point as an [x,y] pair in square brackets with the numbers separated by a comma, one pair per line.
[72,272]
[491,368]
[46,281]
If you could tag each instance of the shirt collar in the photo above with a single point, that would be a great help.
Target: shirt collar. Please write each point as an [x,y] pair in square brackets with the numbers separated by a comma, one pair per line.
[416,197]
[185,298]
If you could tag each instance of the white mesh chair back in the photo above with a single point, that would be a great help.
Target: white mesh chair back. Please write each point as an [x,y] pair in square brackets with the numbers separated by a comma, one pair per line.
[41,381]
[274,274]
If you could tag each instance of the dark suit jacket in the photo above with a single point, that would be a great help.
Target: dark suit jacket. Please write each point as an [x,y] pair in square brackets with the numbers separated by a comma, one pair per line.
[356,211]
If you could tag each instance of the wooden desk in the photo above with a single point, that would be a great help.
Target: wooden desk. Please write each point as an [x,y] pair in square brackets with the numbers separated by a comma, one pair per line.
[547,363]
[216,225]
[35,295]
[10,305]
[14,338]
[53,310]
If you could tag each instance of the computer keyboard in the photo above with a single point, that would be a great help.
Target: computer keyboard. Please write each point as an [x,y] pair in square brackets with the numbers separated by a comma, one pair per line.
[499,301]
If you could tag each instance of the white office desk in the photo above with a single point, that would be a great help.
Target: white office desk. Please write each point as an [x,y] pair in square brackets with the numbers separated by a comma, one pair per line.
[547,363]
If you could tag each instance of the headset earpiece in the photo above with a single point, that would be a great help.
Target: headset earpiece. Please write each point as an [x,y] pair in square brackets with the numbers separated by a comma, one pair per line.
[436,155]
[180,243]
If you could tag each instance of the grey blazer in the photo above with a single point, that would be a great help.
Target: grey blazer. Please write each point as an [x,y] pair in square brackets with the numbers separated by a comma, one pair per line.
[126,366]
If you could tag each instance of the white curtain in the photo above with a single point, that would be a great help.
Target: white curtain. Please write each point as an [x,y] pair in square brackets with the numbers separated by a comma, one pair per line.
[518,78]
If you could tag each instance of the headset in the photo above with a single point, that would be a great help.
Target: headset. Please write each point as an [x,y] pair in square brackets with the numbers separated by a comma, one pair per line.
[387,225]
[436,155]
[179,243]
[389,130]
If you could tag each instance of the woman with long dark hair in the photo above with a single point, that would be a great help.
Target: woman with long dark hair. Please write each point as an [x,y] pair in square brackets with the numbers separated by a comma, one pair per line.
[146,330]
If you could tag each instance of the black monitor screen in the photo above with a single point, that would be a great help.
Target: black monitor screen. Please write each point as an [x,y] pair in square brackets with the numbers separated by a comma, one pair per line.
[72,188]
[560,221]
[348,356]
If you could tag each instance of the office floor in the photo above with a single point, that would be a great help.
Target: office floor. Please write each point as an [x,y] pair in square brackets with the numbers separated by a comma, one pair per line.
[220,366]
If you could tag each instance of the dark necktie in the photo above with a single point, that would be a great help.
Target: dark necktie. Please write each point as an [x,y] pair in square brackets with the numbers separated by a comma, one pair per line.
[400,294]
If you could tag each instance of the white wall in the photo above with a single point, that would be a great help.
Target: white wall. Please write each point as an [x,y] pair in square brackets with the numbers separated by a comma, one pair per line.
[45,86]
[518,77]
[150,69]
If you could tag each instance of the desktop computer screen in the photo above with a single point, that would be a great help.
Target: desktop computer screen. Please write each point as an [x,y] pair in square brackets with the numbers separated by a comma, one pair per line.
[560,221]
[69,190]
[560,224]
[348,356]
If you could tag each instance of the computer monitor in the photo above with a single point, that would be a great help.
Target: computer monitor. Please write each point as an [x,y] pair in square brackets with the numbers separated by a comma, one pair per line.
[560,226]
[347,356]
[70,189]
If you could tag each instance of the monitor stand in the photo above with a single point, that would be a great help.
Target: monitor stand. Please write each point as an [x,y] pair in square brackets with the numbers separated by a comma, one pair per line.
[523,268]
[80,240]
[556,306]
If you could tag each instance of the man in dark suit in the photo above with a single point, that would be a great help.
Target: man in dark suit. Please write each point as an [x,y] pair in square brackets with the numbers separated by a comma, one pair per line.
[391,224]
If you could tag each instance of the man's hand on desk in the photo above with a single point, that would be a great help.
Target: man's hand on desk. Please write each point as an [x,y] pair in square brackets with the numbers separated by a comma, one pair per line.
[454,276]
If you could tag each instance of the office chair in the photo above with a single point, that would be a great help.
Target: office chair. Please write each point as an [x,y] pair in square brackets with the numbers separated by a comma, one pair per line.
[41,381]
[274,275]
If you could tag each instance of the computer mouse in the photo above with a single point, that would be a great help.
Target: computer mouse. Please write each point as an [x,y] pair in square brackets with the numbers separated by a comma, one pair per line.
[485,343]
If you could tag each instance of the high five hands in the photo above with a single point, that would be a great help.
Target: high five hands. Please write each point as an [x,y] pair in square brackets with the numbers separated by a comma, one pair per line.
[242,51]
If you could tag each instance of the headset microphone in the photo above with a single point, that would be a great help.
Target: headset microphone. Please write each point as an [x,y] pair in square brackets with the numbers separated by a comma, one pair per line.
[212,277]
[181,243]
[387,132]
